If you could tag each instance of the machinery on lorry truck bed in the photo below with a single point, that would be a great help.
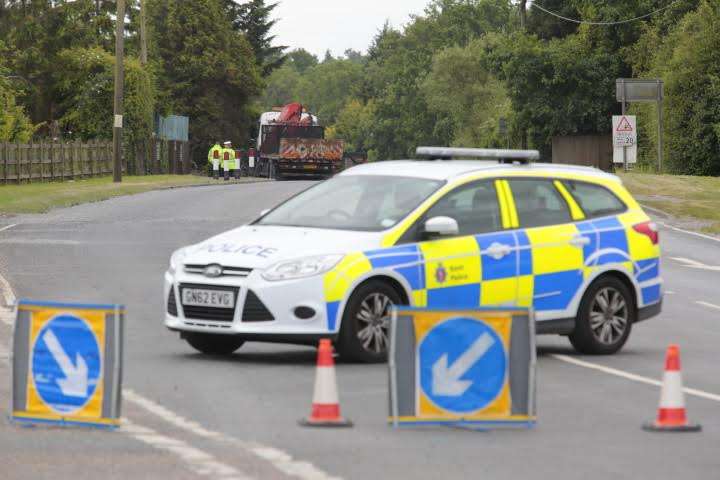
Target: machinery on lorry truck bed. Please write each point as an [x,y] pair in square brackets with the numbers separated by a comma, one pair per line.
[291,143]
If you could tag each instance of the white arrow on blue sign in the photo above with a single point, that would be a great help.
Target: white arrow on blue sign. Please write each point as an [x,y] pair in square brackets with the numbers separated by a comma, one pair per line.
[463,365]
[66,363]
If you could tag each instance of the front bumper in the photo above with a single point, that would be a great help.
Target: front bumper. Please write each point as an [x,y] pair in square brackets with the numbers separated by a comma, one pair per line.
[279,299]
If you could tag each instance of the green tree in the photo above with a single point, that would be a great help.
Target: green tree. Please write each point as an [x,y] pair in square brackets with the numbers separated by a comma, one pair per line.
[281,87]
[325,88]
[253,19]
[87,84]
[207,69]
[398,63]
[461,88]
[559,87]
[15,125]
[300,59]
[355,126]
[688,60]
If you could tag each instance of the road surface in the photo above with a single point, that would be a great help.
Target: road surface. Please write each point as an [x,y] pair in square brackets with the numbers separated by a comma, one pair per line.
[190,416]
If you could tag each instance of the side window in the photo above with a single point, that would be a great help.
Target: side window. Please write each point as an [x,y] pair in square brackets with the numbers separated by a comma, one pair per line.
[474,206]
[595,200]
[538,203]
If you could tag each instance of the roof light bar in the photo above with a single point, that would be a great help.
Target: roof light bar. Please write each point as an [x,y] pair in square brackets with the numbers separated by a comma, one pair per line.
[502,156]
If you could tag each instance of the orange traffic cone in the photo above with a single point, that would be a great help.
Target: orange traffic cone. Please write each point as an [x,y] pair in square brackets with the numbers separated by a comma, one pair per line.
[671,412]
[325,406]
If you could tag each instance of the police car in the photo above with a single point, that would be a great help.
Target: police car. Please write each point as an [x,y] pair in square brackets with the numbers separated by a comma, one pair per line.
[568,241]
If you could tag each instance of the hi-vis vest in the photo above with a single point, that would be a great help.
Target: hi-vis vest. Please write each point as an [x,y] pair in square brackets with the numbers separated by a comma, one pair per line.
[214,153]
[229,155]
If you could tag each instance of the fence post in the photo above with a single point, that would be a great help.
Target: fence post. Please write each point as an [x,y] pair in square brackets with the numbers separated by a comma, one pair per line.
[3,151]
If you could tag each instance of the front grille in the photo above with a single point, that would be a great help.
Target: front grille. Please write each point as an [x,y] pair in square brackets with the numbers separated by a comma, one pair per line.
[209,313]
[231,271]
[172,303]
[255,310]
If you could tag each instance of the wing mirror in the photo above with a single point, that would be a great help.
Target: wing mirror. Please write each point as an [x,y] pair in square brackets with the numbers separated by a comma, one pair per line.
[440,227]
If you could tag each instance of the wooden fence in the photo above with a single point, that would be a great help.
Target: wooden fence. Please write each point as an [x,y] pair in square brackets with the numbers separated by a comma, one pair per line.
[37,162]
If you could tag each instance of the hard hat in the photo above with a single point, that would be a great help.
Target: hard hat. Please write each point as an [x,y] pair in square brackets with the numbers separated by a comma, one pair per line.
[228,143]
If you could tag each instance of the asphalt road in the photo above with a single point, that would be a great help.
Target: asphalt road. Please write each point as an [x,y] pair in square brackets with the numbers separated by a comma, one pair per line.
[196,417]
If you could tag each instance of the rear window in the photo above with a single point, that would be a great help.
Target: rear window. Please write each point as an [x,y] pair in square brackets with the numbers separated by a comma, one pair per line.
[538,203]
[594,200]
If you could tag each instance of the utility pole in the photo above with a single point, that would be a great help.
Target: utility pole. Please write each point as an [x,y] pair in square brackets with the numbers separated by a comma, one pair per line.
[143,34]
[119,88]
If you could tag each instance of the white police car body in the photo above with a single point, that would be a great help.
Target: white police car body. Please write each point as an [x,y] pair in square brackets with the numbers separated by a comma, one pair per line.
[568,241]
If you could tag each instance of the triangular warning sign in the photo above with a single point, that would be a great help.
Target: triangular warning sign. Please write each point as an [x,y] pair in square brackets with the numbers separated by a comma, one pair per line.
[624,126]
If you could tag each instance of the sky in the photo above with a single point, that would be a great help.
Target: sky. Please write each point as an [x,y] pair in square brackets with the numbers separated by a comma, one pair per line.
[318,25]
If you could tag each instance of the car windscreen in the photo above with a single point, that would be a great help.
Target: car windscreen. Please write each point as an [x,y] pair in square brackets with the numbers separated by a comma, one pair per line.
[354,202]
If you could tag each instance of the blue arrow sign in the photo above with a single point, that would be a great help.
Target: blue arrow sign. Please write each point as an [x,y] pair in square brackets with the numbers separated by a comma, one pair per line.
[66,363]
[462,365]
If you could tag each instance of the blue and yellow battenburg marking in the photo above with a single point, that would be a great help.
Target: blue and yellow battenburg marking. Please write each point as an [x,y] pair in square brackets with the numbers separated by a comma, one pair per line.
[542,269]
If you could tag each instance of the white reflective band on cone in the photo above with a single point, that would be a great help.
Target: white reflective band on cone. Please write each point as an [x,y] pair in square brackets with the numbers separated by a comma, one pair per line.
[672,395]
[325,391]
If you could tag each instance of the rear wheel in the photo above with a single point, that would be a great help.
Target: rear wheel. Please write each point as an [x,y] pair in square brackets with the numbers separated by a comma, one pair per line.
[210,344]
[605,318]
[365,330]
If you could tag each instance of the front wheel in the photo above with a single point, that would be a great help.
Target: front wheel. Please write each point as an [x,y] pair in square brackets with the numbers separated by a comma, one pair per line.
[365,329]
[211,344]
[605,318]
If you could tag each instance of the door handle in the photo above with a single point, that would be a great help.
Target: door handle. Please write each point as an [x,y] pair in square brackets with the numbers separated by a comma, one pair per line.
[579,241]
[498,250]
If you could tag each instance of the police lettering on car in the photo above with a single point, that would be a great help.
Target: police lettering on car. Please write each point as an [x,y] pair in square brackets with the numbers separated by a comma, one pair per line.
[497,230]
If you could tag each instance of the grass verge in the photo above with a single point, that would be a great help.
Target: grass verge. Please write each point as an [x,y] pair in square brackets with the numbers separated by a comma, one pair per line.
[41,197]
[694,200]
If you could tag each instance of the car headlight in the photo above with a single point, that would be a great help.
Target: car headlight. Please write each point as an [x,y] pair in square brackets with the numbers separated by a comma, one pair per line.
[301,268]
[175,259]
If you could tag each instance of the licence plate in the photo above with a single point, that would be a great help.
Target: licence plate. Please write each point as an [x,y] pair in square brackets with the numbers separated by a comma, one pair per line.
[198,297]
[311,167]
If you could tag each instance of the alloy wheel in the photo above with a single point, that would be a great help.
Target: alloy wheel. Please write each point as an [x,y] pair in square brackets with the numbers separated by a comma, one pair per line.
[608,316]
[373,319]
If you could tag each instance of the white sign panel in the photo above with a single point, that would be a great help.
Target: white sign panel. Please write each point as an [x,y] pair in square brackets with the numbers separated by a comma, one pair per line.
[624,138]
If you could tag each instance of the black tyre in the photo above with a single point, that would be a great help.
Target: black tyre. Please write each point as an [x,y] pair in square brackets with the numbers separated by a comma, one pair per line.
[365,329]
[605,317]
[210,344]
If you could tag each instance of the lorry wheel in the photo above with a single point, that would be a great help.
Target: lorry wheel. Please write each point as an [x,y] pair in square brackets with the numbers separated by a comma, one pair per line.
[211,344]
[605,318]
[365,329]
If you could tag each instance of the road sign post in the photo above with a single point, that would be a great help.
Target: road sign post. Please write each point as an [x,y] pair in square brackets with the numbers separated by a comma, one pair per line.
[629,90]
[474,368]
[67,364]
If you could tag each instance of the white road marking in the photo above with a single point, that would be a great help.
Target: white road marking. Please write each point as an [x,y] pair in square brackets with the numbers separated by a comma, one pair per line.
[8,227]
[7,316]
[7,292]
[632,376]
[197,460]
[707,304]
[689,232]
[669,292]
[39,241]
[695,264]
[278,458]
